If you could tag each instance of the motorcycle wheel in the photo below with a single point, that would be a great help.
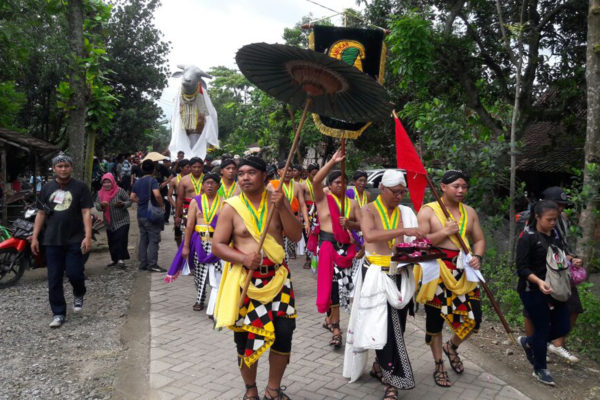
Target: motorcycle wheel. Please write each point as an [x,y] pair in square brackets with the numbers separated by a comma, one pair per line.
[12,267]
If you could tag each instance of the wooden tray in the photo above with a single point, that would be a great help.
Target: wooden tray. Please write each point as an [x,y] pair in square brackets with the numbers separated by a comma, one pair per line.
[403,254]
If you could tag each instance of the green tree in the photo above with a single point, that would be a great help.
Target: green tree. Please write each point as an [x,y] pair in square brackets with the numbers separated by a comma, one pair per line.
[137,61]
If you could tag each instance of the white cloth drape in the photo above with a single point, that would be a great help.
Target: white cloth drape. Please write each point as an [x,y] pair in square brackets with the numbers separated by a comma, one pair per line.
[367,328]
[179,138]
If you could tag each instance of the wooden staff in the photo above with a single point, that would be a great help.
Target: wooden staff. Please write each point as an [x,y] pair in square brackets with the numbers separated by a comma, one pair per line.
[343,169]
[466,251]
[271,211]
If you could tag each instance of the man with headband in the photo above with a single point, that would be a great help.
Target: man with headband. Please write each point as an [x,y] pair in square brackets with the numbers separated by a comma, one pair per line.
[266,318]
[337,247]
[64,216]
[189,187]
[358,192]
[196,248]
[294,193]
[309,200]
[182,169]
[378,321]
[228,186]
[451,297]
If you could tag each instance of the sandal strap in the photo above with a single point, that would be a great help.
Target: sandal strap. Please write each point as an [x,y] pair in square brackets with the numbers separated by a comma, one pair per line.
[391,392]
[335,325]
[253,386]
[280,394]
[452,346]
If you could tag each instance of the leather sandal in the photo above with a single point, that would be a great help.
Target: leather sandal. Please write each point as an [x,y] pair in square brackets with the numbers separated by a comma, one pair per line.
[248,397]
[280,394]
[455,361]
[327,325]
[198,307]
[336,339]
[441,377]
[376,372]
[391,393]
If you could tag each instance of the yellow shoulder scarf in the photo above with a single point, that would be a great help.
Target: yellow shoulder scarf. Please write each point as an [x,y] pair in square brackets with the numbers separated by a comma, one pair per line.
[234,275]
[460,287]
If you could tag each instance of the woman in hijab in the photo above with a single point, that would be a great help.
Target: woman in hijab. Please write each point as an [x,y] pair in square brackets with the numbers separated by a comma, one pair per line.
[114,201]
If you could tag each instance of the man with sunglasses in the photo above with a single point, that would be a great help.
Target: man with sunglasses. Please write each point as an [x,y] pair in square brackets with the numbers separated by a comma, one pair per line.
[378,322]
[451,297]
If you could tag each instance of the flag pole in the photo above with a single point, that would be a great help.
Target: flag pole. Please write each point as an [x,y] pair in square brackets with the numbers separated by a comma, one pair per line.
[421,171]
[465,249]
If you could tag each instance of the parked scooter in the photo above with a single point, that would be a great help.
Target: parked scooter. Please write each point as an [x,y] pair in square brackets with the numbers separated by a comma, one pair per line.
[16,254]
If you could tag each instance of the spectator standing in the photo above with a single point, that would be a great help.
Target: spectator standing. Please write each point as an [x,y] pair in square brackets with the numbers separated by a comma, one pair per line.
[64,215]
[144,190]
[126,174]
[113,201]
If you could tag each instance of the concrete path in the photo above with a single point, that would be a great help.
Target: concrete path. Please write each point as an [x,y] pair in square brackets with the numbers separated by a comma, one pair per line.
[190,360]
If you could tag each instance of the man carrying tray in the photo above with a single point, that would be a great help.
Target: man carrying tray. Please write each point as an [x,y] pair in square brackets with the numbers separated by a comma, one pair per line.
[451,297]
[383,291]
[266,318]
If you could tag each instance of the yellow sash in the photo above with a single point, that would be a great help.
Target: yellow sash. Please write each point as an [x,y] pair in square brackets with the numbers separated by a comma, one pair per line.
[377,259]
[460,287]
[234,275]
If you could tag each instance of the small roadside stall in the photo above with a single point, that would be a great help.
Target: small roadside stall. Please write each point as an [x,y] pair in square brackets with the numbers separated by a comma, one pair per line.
[37,150]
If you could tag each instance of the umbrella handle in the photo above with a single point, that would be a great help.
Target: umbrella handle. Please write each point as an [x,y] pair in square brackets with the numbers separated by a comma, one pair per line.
[271,212]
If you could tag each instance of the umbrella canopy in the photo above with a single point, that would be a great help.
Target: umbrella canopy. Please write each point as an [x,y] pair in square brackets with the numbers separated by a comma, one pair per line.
[292,74]
[154,156]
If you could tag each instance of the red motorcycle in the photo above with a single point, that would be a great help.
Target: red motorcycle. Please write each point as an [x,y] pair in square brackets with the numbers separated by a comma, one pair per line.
[16,254]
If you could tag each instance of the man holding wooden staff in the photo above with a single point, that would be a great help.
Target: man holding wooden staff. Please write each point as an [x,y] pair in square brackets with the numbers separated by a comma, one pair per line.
[266,317]
[451,297]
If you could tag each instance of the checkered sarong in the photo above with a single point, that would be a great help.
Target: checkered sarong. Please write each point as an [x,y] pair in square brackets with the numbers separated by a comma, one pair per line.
[256,318]
[455,309]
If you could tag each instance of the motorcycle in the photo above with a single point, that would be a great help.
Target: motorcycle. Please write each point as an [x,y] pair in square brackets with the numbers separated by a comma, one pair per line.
[16,254]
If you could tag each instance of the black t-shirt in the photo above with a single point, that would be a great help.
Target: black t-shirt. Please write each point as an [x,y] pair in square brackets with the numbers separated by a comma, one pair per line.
[532,249]
[64,222]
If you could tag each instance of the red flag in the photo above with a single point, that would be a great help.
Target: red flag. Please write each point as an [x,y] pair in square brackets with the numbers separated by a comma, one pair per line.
[408,160]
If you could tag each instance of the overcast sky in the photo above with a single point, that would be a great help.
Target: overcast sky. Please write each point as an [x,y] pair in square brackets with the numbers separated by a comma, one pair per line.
[208,33]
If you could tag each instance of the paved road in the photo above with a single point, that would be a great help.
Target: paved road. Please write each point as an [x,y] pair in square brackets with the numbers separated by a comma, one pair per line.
[190,360]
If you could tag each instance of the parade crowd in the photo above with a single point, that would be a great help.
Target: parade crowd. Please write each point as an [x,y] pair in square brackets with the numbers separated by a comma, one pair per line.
[221,211]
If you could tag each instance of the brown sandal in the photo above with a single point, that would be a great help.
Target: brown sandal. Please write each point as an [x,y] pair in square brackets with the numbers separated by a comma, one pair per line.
[280,394]
[455,361]
[336,339]
[441,377]
[198,307]
[248,397]
[327,325]
[391,393]
[376,372]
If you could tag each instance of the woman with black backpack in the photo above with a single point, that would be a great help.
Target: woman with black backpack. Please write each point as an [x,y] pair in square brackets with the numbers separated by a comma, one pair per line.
[544,285]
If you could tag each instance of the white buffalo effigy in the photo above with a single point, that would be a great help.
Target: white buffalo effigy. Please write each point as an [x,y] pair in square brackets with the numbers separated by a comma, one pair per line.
[194,122]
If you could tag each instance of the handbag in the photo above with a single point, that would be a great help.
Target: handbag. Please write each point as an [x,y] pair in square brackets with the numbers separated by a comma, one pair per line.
[154,214]
[578,274]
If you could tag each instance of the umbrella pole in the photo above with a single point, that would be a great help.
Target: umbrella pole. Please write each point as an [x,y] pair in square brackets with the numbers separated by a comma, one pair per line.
[466,250]
[343,169]
[271,212]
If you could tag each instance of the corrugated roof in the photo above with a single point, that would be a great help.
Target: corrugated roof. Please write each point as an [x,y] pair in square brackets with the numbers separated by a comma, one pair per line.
[26,142]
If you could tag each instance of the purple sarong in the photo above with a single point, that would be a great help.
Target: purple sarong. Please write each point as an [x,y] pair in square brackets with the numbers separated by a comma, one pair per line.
[195,248]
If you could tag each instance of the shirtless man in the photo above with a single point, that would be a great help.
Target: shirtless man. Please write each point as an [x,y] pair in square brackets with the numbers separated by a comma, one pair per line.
[294,193]
[189,187]
[442,304]
[336,247]
[383,223]
[309,199]
[183,168]
[241,222]
[228,186]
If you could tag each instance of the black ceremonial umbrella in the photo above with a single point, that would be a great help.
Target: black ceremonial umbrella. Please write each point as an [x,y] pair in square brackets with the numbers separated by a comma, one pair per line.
[293,75]
[315,82]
